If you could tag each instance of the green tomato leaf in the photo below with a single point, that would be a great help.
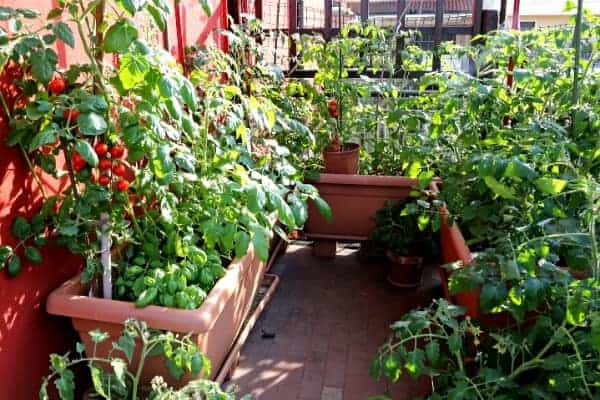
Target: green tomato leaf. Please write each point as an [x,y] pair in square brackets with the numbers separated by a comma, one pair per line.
[162,164]
[119,37]
[119,368]
[44,137]
[432,351]
[519,169]
[126,344]
[256,199]
[64,33]
[96,374]
[242,241]
[499,188]
[323,208]
[284,212]
[91,124]
[188,93]
[98,336]
[158,16]
[260,243]
[87,152]
[493,295]
[132,70]
[65,385]
[43,64]
[550,186]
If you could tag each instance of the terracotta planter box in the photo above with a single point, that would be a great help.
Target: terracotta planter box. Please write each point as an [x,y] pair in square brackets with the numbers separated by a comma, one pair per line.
[214,326]
[354,200]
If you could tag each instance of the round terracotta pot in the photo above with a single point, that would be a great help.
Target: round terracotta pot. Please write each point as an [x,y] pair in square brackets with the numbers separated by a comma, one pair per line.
[342,162]
[404,272]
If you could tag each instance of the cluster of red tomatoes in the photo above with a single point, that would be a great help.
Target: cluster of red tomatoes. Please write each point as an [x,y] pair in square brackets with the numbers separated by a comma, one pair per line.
[333,108]
[110,165]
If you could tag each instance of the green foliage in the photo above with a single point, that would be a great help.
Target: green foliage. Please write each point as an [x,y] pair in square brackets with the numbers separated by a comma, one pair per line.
[203,178]
[404,228]
[115,378]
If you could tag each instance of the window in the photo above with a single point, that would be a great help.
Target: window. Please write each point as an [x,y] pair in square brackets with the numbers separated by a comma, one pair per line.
[527,25]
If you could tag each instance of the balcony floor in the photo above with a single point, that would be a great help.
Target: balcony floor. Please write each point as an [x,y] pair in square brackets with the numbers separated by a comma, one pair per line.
[329,317]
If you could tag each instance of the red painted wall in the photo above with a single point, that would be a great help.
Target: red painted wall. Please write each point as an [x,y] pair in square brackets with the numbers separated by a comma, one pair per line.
[27,334]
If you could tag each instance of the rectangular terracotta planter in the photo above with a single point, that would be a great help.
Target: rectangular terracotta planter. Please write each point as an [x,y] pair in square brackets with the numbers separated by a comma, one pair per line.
[354,200]
[214,325]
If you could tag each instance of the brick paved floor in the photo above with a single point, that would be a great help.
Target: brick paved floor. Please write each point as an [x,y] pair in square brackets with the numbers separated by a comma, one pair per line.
[329,318]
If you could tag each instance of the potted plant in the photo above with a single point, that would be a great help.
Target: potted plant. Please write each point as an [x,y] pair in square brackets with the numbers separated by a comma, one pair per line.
[171,213]
[407,239]
[351,51]
[110,374]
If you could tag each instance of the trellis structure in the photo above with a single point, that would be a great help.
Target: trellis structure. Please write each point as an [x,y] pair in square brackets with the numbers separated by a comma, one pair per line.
[435,20]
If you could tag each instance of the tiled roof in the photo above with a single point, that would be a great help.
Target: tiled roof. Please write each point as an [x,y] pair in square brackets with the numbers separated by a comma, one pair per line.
[379,7]
[428,6]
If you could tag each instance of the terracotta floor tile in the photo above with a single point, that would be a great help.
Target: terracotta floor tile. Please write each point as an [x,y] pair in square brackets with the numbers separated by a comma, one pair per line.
[328,317]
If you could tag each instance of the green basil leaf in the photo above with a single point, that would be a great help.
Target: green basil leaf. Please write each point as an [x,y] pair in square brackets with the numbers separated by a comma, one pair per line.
[14,266]
[21,228]
[33,255]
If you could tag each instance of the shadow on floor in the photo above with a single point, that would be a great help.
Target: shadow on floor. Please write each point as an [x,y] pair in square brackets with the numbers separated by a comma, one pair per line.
[329,317]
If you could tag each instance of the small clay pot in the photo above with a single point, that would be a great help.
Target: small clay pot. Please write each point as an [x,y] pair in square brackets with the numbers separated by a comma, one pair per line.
[342,162]
[404,272]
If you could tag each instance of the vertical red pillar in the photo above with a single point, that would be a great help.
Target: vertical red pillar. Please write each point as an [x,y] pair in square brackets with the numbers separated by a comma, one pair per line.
[179,29]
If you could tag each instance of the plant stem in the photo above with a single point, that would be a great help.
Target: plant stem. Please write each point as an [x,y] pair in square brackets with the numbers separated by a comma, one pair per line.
[67,154]
[580,361]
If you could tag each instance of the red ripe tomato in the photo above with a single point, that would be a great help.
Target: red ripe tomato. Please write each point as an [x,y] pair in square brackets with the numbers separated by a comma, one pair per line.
[101,149]
[333,104]
[117,151]
[57,85]
[77,159]
[105,165]
[71,115]
[122,185]
[93,177]
[118,169]
[104,180]
[128,103]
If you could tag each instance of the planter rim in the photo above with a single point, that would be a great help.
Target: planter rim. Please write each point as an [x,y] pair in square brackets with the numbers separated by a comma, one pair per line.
[68,300]
[354,147]
[365,180]
[405,260]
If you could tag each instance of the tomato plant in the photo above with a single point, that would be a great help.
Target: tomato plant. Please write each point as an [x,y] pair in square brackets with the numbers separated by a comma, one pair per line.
[181,196]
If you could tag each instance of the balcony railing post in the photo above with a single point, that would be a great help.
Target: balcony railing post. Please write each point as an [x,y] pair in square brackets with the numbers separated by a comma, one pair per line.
[364,11]
[328,4]
[292,29]
[400,26]
[437,34]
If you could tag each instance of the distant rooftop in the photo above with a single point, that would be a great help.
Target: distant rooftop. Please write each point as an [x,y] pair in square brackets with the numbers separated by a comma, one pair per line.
[421,7]
[550,7]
